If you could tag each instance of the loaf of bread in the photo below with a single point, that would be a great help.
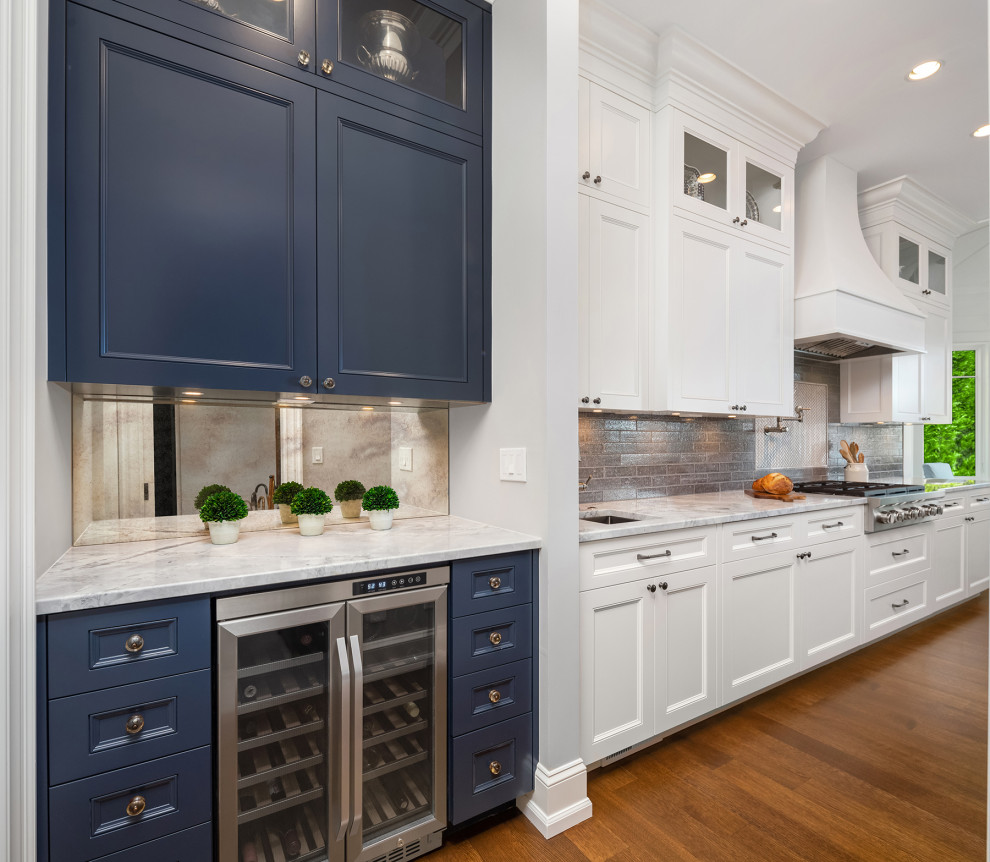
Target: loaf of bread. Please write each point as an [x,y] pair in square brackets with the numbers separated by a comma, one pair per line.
[774,483]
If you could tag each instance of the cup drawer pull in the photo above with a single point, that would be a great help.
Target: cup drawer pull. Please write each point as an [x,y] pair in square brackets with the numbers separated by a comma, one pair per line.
[135,724]
[135,806]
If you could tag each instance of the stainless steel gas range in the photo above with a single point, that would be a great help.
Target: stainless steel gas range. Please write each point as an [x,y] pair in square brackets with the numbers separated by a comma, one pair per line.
[888,506]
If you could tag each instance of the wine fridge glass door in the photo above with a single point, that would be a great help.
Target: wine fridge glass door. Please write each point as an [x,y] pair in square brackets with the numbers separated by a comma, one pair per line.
[398,652]
[283,692]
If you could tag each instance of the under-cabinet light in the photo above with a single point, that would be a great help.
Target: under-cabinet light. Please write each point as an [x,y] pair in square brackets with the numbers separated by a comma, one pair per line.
[707,178]
[367,408]
[395,403]
[732,416]
[192,393]
[924,70]
[675,414]
[189,401]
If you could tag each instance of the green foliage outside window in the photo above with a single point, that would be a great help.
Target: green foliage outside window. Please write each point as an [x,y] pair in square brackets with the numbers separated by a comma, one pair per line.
[955,444]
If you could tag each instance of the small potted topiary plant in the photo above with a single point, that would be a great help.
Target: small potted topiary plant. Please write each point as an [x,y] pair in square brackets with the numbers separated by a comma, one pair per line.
[311,506]
[207,491]
[349,493]
[379,502]
[283,496]
[223,512]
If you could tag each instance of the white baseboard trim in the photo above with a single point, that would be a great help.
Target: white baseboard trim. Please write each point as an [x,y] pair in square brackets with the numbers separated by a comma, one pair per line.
[559,800]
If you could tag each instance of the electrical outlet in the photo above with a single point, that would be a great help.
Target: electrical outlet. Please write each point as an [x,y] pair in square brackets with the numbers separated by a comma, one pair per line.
[512,465]
[405,458]
[317,454]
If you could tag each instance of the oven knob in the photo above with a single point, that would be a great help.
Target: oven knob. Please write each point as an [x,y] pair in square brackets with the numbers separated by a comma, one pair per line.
[885,517]
[913,513]
[899,516]
[938,509]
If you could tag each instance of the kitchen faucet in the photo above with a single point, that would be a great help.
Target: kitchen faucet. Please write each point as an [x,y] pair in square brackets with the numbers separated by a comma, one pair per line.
[259,502]
[780,428]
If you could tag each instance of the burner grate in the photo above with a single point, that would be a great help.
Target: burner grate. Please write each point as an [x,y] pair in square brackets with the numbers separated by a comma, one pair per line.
[857,489]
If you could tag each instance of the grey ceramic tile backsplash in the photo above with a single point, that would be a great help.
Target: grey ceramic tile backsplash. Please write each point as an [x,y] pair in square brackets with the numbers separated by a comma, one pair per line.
[656,456]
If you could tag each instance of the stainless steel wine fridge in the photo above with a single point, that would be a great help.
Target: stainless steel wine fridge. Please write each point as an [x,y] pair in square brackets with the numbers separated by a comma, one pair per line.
[332,713]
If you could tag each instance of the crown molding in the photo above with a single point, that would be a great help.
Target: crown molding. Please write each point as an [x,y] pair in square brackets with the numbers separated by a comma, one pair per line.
[611,37]
[906,201]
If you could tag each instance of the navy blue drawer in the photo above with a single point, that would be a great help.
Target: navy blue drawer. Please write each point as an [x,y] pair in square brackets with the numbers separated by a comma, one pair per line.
[491,582]
[483,641]
[491,766]
[489,696]
[190,845]
[88,650]
[89,818]
[88,733]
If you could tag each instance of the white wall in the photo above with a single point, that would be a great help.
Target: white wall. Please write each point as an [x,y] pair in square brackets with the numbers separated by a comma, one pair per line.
[534,378]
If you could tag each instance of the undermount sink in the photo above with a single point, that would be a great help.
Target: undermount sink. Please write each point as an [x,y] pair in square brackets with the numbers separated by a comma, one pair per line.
[608,519]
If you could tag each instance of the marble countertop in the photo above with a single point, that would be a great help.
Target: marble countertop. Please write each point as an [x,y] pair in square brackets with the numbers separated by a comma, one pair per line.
[101,575]
[977,486]
[695,510]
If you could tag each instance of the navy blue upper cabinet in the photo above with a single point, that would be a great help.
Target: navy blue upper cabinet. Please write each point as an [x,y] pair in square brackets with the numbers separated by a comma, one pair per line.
[400,216]
[414,53]
[190,215]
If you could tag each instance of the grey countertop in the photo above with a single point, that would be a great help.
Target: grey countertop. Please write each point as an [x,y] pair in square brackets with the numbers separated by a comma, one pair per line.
[695,510]
[100,575]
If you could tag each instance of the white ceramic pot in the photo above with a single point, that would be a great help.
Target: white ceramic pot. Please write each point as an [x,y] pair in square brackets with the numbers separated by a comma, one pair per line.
[311,525]
[857,473]
[224,532]
[350,508]
[381,520]
[285,513]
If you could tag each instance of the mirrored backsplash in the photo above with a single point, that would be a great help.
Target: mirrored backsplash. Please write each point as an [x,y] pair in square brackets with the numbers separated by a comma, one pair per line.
[137,466]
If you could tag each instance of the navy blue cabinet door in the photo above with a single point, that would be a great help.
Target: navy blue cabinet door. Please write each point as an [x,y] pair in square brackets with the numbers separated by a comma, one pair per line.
[401,223]
[422,55]
[190,208]
[280,29]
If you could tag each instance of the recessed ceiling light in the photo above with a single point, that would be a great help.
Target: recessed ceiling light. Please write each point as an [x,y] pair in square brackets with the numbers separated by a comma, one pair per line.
[192,393]
[924,70]
[982,132]
[776,209]
[706,178]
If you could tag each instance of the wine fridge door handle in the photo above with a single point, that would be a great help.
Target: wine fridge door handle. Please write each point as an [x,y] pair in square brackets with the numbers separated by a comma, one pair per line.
[345,734]
[357,699]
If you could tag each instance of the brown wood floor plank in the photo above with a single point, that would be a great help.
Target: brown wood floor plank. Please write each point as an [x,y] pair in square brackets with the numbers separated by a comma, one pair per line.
[879,757]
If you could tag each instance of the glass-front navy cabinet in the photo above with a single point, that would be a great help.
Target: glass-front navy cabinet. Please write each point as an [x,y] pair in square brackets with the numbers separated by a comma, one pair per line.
[221,221]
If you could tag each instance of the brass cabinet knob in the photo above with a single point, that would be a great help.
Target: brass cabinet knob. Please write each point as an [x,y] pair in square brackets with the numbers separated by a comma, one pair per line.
[494,582]
[303,58]
[494,695]
[326,67]
[135,806]
[135,724]
[495,638]
[495,767]
[135,643]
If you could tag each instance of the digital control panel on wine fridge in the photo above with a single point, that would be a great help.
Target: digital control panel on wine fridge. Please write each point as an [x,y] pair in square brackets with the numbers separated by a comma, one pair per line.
[332,720]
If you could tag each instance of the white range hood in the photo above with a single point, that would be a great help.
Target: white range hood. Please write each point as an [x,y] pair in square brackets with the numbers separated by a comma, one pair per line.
[844,305]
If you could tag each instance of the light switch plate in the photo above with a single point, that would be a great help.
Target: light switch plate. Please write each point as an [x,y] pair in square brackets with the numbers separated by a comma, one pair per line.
[405,458]
[512,465]
[317,454]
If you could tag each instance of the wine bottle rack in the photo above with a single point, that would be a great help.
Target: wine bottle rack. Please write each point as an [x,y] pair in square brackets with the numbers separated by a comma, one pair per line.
[306,821]
[259,800]
[392,799]
[276,759]
[392,755]
[273,690]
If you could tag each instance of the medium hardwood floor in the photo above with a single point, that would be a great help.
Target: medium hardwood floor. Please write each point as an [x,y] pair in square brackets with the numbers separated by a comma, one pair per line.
[880,756]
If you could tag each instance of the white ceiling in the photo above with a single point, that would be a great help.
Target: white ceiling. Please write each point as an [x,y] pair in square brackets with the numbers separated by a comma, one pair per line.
[845,62]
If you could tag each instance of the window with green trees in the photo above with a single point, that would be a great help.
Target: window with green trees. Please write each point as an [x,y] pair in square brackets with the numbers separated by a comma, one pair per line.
[955,444]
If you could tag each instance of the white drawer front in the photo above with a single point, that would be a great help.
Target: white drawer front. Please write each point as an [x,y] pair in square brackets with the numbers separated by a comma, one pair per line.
[834,524]
[955,505]
[903,551]
[979,500]
[742,540]
[891,606]
[618,561]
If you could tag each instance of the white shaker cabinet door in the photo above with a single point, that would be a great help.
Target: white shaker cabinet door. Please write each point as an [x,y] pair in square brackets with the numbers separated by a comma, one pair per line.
[762,331]
[614,147]
[829,600]
[758,632]
[617,308]
[947,578]
[978,553]
[937,368]
[696,321]
[685,641]
[617,668]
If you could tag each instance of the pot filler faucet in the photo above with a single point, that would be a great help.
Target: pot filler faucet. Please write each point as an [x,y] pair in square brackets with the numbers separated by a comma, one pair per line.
[780,428]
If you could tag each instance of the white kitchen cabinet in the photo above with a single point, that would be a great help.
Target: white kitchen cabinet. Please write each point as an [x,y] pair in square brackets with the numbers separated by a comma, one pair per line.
[724,334]
[947,579]
[618,670]
[829,610]
[686,684]
[758,632]
[904,387]
[727,183]
[977,520]
[614,276]
[919,266]
[614,152]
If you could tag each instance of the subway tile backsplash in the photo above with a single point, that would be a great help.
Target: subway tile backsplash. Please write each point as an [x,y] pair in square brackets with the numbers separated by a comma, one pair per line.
[631,457]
